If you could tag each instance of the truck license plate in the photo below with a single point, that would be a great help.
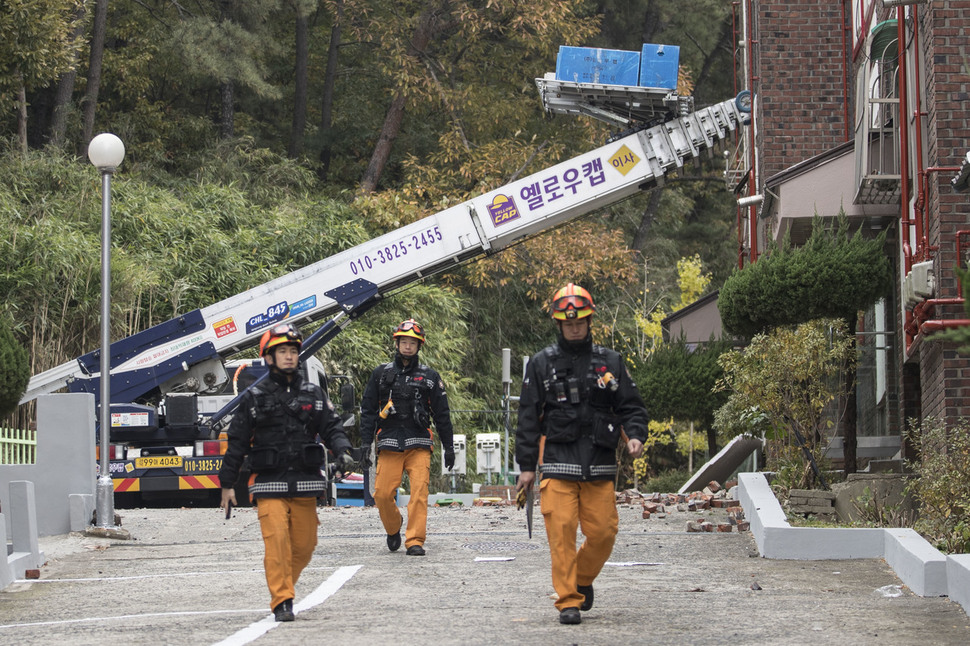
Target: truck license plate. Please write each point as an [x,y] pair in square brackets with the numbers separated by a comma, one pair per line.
[159,462]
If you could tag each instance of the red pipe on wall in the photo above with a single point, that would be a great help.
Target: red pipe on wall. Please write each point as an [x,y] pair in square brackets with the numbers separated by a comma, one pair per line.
[845,81]
[752,179]
[903,143]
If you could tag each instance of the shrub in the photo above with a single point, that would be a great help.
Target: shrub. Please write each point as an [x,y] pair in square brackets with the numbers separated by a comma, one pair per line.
[942,485]
[14,369]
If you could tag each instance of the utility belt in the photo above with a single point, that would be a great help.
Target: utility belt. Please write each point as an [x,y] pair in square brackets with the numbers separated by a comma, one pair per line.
[265,459]
[411,412]
[565,425]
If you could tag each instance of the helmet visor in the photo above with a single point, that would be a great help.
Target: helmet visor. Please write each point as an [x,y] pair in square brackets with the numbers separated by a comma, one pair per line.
[571,307]
[286,330]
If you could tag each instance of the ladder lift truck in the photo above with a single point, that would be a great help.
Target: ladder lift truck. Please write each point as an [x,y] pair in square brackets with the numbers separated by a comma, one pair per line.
[174,386]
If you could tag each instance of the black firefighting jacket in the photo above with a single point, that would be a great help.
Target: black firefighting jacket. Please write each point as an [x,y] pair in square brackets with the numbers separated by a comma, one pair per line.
[568,397]
[277,425]
[418,397]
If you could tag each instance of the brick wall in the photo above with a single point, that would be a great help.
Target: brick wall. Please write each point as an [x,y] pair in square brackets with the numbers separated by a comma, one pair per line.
[801,81]
[944,43]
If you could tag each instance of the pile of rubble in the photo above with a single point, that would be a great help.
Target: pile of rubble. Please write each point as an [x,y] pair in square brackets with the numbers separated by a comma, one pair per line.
[723,512]
[713,496]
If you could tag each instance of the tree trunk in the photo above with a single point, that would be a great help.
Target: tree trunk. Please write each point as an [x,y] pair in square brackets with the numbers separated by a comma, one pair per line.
[228,111]
[385,142]
[849,430]
[226,90]
[300,85]
[62,107]
[646,220]
[22,116]
[329,83]
[711,441]
[65,88]
[395,114]
[90,105]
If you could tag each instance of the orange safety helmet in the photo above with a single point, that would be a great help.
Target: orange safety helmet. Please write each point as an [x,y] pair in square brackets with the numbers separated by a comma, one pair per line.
[410,328]
[572,302]
[278,335]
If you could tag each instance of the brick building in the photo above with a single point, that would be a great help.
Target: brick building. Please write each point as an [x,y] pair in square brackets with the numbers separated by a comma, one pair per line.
[861,105]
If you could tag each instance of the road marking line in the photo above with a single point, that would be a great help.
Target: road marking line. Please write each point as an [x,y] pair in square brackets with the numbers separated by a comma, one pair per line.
[138,616]
[154,576]
[318,596]
[322,593]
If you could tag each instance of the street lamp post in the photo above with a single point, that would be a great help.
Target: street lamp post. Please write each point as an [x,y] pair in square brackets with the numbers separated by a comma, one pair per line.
[106,152]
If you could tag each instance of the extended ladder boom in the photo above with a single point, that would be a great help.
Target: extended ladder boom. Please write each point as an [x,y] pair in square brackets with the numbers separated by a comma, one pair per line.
[186,353]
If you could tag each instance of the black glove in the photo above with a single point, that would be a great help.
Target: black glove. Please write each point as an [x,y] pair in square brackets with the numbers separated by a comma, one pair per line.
[346,463]
[449,459]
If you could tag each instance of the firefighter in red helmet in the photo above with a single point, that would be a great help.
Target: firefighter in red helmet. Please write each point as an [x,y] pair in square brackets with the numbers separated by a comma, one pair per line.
[578,403]
[277,425]
[401,400]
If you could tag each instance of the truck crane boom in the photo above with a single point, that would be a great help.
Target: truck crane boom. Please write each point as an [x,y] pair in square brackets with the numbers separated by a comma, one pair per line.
[186,354]
[171,387]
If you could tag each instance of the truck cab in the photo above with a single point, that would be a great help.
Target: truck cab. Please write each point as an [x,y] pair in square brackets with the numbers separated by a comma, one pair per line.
[169,452]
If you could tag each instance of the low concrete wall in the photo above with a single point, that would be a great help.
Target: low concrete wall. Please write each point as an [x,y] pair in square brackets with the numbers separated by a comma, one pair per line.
[64,475]
[23,553]
[923,568]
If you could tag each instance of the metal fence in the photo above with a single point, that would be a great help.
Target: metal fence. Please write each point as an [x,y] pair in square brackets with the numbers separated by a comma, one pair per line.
[18,446]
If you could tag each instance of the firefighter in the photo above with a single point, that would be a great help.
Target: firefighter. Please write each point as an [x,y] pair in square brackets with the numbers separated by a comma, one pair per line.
[277,425]
[578,403]
[399,403]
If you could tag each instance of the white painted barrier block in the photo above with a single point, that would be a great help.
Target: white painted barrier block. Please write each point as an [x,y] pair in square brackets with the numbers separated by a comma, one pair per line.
[925,570]
[6,572]
[958,579]
[920,565]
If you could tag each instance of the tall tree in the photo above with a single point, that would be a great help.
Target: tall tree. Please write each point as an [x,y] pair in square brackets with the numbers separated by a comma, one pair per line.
[329,83]
[36,48]
[228,45]
[449,59]
[429,22]
[95,60]
[300,77]
[65,86]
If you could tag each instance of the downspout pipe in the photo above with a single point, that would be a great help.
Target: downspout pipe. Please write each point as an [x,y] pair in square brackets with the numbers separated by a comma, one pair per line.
[905,220]
[845,75]
[752,180]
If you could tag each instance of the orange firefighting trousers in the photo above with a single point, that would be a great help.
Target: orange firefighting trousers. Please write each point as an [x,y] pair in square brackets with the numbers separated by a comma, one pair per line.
[591,506]
[391,466]
[289,527]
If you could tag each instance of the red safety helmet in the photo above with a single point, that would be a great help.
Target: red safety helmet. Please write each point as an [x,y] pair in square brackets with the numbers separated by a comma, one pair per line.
[572,302]
[410,328]
[278,335]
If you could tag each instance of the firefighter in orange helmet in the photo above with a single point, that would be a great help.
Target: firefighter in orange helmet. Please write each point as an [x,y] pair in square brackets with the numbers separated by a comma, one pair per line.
[578,403]
[400,401]
[277,425]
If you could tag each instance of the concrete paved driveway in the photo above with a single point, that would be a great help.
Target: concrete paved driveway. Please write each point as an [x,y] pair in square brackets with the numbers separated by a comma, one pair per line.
[188,576]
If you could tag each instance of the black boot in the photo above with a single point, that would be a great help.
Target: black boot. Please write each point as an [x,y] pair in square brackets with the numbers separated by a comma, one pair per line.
[284,611]
[587,591]
[570,616]
[394,540]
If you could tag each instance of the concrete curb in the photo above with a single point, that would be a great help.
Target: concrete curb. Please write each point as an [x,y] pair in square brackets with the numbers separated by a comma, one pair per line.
[923,568]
